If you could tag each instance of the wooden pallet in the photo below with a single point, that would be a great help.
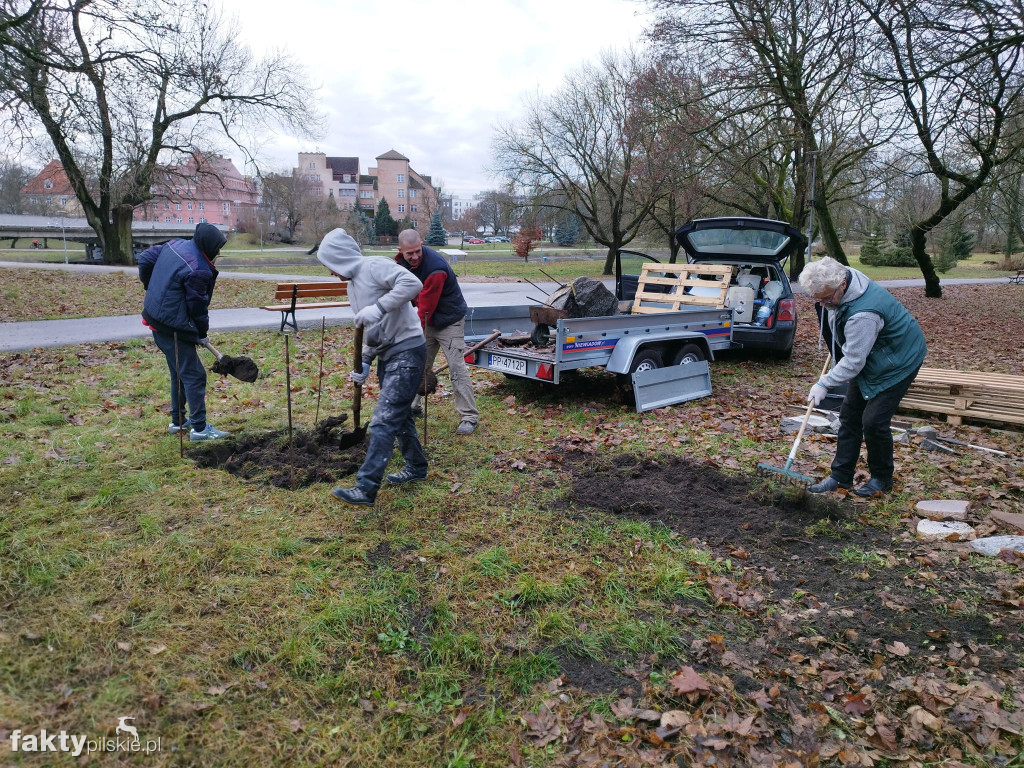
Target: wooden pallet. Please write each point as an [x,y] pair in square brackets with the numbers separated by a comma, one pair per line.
[677,278]
[967,394]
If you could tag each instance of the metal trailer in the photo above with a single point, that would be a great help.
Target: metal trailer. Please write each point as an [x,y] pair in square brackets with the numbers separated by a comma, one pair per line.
[664,355]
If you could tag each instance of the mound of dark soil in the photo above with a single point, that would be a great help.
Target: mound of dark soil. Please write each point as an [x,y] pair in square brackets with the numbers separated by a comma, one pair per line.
[314,457]
[815,555]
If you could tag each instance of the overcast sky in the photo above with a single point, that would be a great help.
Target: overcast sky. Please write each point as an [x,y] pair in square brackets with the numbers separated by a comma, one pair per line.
[430,80]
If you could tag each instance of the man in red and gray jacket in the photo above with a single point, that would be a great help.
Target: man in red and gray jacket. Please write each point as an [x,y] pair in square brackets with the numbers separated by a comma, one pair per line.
[442,310]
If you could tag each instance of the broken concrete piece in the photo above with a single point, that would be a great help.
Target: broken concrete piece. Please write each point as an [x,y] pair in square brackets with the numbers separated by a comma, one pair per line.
[933,530]
[814,424]
[943,509]
[1011,520]
[990,545]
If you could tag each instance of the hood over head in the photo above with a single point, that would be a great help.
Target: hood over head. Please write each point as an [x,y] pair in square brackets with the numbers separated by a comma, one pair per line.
[340,253]
[209,240]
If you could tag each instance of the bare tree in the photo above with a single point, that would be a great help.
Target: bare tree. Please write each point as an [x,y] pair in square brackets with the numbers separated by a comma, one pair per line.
[956,71]
[590,142]
[286,199]
[13,176]
[121,89]
[778,77]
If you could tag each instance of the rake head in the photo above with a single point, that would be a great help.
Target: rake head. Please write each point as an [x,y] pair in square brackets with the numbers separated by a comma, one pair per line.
[783,475]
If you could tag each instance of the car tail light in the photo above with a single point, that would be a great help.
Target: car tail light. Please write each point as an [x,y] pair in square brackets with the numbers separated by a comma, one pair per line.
[787,311]
[546,371]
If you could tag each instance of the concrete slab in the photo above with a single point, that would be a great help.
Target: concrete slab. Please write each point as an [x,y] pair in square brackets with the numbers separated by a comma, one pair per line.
[1010,520]
[990,545]
[943,509]
[934,530]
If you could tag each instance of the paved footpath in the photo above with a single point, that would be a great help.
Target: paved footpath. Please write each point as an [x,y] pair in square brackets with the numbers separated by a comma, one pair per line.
[16,337]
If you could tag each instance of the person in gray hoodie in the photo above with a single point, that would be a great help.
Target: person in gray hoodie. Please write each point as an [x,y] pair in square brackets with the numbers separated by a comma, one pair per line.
[883,348]
[381,293]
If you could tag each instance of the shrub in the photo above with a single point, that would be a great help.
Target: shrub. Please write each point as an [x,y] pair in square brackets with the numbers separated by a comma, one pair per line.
[871,251]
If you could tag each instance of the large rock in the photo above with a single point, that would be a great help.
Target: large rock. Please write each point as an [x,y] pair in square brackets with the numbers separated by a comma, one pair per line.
[990,545]
[943,509]
[589,298]
[1011,520]
[933,530]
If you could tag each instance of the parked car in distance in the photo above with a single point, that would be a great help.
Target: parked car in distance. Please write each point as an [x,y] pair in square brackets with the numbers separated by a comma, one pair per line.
[474,240]
[760,292]
[501,239]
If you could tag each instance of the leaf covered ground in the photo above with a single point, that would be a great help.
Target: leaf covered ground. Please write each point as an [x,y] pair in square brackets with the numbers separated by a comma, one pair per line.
[576,584]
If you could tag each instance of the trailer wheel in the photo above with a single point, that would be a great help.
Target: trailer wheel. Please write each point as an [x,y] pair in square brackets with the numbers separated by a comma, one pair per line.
[689,353]
[646,360]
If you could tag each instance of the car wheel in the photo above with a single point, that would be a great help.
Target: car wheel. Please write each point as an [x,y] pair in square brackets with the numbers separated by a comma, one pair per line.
[689,353]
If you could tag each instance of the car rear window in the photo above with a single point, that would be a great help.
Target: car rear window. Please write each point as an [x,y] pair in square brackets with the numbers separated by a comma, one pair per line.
[738,241]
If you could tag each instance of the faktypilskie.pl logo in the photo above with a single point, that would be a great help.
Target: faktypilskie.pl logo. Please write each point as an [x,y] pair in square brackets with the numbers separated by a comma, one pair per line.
[77,743]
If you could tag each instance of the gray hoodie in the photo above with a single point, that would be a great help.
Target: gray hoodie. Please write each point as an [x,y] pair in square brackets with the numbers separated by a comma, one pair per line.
[379,280]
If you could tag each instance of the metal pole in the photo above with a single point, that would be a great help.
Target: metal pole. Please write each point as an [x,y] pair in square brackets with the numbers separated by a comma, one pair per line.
[63,237]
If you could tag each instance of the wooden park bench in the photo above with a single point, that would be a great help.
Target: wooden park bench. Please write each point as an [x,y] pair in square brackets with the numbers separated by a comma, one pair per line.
[292,292]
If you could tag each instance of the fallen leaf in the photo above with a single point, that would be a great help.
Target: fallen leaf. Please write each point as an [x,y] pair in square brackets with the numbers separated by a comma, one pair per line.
[219,690]
[157,649]
[855,704]
[675,718]
[898,649]
[688,681]
[123,646]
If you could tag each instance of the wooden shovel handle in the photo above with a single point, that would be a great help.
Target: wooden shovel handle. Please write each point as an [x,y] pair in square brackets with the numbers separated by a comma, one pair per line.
[494,334]
[357,363]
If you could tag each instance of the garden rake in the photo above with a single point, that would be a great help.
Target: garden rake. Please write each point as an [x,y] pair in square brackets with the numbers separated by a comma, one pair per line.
[786,474]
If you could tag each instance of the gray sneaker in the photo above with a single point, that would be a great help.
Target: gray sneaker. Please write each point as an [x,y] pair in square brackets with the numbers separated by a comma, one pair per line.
[210,433]
[405,476]
[466,428]
[173,429]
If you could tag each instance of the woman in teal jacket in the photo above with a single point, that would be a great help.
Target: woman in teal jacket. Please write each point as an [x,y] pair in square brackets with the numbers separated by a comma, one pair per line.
[882,349]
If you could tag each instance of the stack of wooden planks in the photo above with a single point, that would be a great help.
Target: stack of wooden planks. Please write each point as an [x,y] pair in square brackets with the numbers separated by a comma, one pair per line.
[967,394]
[679,281]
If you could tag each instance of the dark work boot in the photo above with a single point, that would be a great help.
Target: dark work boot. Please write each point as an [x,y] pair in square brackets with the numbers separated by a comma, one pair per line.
[828,485]
[354,496]
[405,476]
[873,487]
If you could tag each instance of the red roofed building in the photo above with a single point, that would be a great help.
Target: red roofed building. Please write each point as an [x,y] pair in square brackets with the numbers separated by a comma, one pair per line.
[50,193]
[208,188]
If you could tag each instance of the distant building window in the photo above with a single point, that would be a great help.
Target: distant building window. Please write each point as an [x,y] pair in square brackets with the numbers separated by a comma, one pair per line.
[63,202]
[401,209]
[401,178]
[401,193]
[34,200]
[412,193]
[177,191]
[178,219]
[415,224]
[225,206]
[347,177]
[47,184]
[167,219]
[189,205]
[167,206]
[177,206]
[412,209]
[318,177]
[202,206]
[49,199]
[312,164]
[363,194]
[202,220]
[191,220]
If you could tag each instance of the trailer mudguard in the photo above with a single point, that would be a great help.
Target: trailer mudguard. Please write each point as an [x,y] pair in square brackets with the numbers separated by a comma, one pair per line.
[628,345]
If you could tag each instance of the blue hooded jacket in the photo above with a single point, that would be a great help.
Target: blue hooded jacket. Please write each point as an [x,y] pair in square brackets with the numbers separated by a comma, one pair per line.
[179,278]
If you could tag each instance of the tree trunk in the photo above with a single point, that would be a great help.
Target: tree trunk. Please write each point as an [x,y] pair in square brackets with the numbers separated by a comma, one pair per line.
[609,262]
[673,248]
[117,248]
[932,288]
[828,233]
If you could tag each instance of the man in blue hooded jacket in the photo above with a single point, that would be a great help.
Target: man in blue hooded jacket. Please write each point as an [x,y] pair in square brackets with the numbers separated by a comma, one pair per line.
[179,277]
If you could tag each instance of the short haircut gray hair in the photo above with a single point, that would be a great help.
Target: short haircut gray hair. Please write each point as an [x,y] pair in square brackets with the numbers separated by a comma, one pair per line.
[409,237]
[821,275]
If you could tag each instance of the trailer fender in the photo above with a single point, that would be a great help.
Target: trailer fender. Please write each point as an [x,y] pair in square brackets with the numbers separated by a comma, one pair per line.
[627,347]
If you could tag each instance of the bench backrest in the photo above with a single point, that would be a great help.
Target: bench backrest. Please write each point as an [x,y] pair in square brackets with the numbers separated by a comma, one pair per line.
[285,291]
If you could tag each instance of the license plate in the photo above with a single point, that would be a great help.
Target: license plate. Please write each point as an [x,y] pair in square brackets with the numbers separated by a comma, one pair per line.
[506,364]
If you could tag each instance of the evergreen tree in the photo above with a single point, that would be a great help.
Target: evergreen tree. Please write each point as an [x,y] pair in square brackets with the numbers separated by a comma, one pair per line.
[872,249]
[367,222]
[436,235]
[955,246]
[406,223]
[383,224]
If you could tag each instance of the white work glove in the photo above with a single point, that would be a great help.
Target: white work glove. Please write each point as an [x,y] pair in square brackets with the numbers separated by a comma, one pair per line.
[817,394]
[203,341]
[359,377]
[368,315]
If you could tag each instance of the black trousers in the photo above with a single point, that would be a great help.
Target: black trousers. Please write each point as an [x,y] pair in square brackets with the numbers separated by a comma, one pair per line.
[870,422]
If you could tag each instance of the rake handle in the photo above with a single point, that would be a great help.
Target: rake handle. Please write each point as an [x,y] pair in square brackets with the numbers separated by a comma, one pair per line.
[807,418]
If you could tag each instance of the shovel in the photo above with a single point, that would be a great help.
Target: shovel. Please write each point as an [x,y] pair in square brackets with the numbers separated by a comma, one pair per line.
[357,435]
[242,368]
